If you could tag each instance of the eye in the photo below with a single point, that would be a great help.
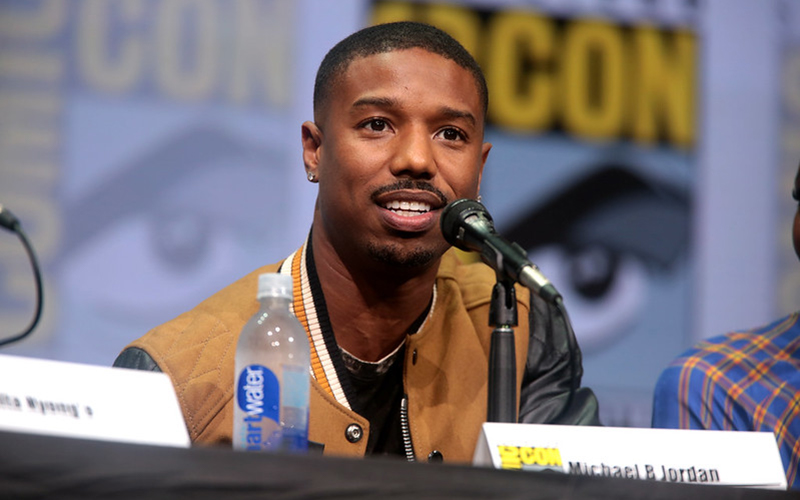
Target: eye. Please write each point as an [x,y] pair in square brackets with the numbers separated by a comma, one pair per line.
[452,134]
[376,125]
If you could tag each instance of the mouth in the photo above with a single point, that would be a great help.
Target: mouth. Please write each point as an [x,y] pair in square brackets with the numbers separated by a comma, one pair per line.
[405,208]
[409,211]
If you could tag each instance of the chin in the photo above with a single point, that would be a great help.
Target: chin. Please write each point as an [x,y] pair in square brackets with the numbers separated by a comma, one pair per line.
[398,256]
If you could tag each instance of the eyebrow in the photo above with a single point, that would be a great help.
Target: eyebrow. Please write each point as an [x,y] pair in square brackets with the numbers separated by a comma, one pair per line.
[388,102]
[455,114]
[381,102]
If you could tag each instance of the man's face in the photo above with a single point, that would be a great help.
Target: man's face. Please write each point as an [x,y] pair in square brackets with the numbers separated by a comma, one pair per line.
[401,136]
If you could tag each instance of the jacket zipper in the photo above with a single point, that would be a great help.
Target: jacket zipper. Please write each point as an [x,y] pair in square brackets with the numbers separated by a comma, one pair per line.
[406,430]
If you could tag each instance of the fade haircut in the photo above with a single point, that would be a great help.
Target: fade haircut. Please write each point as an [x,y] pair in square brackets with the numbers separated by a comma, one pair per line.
[389,37]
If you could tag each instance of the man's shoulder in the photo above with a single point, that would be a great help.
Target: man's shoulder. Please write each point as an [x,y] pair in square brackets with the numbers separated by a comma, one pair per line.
[749,343]
[725,358]
[714,368]
[197,349]
[223,313]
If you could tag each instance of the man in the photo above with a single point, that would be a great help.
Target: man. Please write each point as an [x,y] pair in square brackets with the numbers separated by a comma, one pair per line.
[745,381]
[398,326]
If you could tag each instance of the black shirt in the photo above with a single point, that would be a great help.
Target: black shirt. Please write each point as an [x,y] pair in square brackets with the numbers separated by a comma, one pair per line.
[377,394]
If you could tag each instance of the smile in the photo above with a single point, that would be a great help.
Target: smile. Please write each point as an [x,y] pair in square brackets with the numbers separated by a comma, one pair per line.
[407,208]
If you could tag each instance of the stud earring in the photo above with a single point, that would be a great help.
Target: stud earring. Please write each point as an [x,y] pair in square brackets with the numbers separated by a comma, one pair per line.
[478,199]
[311,177]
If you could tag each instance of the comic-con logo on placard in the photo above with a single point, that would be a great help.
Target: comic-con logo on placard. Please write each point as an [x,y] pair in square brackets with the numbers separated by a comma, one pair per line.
[530,458]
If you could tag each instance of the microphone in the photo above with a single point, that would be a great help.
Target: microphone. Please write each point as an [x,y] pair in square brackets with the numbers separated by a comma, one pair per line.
[8,220]
[466,224]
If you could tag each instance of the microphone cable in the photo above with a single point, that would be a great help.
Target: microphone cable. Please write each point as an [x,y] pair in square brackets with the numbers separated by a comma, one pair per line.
[10,222]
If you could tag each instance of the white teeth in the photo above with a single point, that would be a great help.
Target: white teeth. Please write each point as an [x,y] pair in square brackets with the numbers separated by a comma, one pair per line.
[407,208]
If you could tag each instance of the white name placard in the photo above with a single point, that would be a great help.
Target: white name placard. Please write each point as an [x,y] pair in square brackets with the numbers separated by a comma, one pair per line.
[91,402]
[730,458]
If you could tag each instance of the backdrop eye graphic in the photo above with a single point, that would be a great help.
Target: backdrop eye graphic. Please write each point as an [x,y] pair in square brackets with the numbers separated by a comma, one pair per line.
[592,271]
[166,214]
[180,238]
[600,240]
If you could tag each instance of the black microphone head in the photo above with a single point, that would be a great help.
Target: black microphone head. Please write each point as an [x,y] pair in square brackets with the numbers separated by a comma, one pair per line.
[457,217]
[8,220]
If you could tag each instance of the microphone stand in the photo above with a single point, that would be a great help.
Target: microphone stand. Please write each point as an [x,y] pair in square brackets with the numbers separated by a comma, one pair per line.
[502,398]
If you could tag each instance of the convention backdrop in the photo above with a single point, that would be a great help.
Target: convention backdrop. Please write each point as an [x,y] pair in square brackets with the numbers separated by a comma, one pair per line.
[152,152]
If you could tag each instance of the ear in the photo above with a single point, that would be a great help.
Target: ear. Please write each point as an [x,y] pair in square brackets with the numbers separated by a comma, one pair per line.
[312,145]
[485,148]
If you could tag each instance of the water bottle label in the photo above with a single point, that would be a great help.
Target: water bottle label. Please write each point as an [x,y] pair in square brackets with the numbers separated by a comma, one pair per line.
[258,396]
[295,386]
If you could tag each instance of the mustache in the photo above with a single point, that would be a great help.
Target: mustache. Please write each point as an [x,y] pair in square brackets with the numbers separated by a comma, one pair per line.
[410,184]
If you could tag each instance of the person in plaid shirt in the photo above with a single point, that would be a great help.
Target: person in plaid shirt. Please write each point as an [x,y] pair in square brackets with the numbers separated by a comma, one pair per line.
[745,380]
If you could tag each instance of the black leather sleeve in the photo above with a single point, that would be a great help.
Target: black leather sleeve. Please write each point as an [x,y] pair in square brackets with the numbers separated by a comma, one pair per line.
[551,392]
[137,359]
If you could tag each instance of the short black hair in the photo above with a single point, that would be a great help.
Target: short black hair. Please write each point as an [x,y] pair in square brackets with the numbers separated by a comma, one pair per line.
[389,37]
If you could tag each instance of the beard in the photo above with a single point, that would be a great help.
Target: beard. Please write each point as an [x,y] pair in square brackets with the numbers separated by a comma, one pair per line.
[397,256]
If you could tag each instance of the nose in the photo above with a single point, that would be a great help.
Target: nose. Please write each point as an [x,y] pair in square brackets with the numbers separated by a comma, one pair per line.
[414,156]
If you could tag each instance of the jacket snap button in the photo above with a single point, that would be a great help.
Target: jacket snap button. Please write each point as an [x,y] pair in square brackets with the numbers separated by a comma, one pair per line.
[435,457]
[354,433]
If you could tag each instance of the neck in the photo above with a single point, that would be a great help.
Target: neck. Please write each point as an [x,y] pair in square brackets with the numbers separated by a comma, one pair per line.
[371,307]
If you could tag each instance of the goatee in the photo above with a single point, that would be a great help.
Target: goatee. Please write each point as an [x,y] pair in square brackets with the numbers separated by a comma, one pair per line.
[395,255]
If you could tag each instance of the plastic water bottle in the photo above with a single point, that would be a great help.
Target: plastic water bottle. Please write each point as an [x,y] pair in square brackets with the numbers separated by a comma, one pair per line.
[272,374]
